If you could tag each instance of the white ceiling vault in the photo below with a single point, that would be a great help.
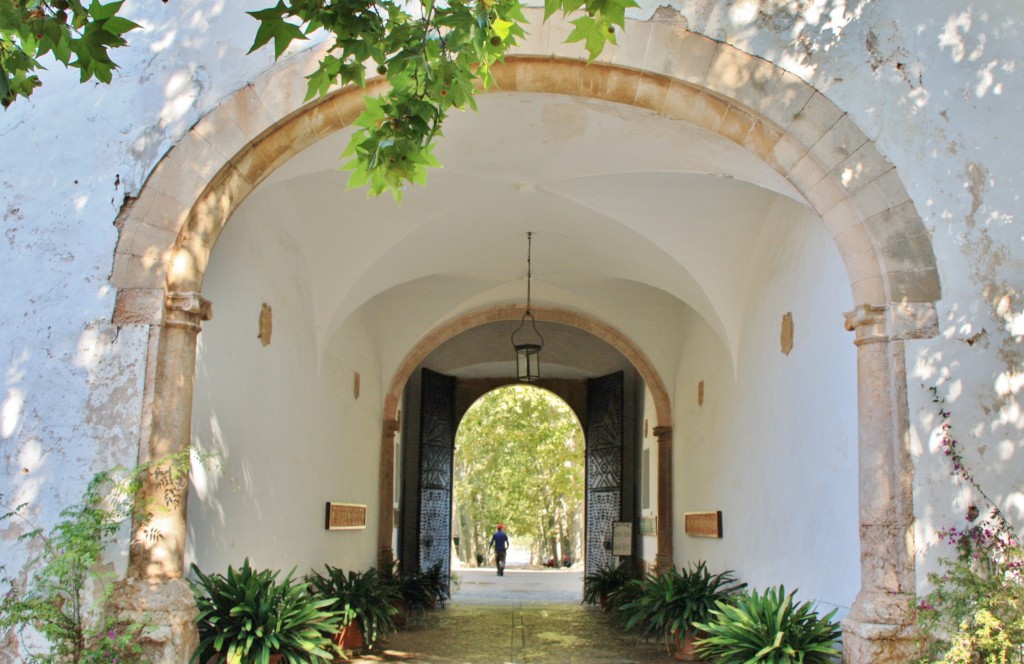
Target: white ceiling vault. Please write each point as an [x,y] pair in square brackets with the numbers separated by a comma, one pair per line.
[638,220]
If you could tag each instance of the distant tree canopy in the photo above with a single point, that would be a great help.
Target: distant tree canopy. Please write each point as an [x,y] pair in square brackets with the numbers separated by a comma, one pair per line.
[435,55]
[519,461]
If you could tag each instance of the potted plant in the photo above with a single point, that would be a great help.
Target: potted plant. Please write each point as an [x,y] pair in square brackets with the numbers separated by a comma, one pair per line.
[769,628]
[413,591]
[602,583]
[437,584]
[363,599]
[670,603]
[249,616]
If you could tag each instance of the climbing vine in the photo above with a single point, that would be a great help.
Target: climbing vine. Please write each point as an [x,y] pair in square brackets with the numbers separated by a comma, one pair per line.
[975,611]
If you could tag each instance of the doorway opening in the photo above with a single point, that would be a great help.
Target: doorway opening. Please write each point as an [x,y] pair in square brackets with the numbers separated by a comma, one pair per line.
[519,462]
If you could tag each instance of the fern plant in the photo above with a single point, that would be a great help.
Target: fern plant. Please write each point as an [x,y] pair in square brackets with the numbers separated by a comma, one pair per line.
[247,615]
[768,629]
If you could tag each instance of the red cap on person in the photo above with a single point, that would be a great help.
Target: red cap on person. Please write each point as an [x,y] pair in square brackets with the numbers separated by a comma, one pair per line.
[501,526]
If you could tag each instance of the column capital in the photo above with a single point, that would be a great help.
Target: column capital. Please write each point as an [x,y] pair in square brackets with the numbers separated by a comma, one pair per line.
[390,428]
[187,310]
[875,323]
[663,434]
[869,322]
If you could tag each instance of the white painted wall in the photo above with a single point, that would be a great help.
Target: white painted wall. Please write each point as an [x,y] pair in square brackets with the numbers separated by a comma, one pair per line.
[286,426]
[935,83]
[774,447]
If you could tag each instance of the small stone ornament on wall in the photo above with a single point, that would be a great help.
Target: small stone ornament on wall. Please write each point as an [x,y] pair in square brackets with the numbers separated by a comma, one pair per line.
[786,337]
[266,324]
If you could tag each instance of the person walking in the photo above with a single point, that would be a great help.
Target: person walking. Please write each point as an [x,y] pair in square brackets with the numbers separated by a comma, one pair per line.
[499,540]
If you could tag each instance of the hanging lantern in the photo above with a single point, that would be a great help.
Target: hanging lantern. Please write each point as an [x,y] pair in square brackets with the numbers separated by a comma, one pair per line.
[528,341]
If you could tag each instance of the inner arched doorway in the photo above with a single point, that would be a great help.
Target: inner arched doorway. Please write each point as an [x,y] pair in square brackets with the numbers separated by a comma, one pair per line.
[520,462]
[807,142]
[608,405]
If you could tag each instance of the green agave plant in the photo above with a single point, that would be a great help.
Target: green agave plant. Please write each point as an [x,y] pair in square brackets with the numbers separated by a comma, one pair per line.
[247,615]
[419,590]
[768,629]
[602,584]
[366,597]
[673,601]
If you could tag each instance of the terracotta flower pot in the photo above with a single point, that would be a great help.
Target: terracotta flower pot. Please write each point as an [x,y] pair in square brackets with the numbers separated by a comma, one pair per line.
[402,616]
[686,649]
[350,637]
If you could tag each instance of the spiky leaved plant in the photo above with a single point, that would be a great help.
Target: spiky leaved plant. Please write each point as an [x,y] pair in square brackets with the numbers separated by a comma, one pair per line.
[769,628]
[247,615]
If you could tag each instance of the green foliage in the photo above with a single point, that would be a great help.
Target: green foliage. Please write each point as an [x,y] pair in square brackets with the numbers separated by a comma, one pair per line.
[75,34]
[975,611]
[367,597]
[601,584]
[434,56]
[437,583]
[519,461]
[415,588]
[65,574]
[672,602]
[248,615]
[768,629]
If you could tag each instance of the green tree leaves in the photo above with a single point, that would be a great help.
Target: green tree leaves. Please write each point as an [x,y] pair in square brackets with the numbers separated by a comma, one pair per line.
[519,461]
[435,57]
[76,35]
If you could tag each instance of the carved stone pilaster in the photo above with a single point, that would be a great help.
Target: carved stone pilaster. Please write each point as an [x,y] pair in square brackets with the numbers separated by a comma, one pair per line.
[385,511]
[664,560]
[153,590]
[880,628]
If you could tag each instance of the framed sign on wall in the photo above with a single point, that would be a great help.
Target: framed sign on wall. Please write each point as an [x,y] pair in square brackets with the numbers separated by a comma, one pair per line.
[345,516]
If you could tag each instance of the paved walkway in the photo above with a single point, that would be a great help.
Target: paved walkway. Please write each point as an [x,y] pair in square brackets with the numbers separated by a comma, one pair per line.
[524,617]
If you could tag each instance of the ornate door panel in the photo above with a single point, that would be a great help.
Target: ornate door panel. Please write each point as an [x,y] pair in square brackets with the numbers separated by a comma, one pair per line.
[437,442]
[604,467]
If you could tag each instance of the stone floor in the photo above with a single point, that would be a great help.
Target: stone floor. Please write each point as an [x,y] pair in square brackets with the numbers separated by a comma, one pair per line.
[526,616]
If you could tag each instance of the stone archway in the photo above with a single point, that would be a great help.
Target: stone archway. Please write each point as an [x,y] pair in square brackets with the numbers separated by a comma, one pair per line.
[168,234]
[442,333]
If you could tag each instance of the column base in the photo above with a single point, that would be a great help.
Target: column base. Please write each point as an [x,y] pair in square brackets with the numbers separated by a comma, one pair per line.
[169,610]
[663,563]
[874,643]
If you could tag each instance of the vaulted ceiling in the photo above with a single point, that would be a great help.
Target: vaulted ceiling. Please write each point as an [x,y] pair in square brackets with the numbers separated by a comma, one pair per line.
[629,211]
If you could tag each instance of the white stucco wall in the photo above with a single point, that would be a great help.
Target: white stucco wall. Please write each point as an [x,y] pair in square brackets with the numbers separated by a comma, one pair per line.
[935,83]
[286,426]
[774,447]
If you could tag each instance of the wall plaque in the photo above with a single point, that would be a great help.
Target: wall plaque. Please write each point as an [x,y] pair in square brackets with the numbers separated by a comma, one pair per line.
[622,538]
[704,524]
[649,525]
[345,516]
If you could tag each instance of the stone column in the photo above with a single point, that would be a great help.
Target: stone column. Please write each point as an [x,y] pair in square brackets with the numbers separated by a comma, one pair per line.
[880,628]
[664,559]
[386,510]
[154,591]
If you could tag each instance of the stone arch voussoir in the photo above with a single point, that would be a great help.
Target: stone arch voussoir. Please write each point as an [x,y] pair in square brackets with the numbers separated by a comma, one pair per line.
[169,231]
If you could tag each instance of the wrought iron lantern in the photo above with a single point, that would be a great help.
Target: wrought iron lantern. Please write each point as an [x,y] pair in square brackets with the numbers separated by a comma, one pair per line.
[529,342]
